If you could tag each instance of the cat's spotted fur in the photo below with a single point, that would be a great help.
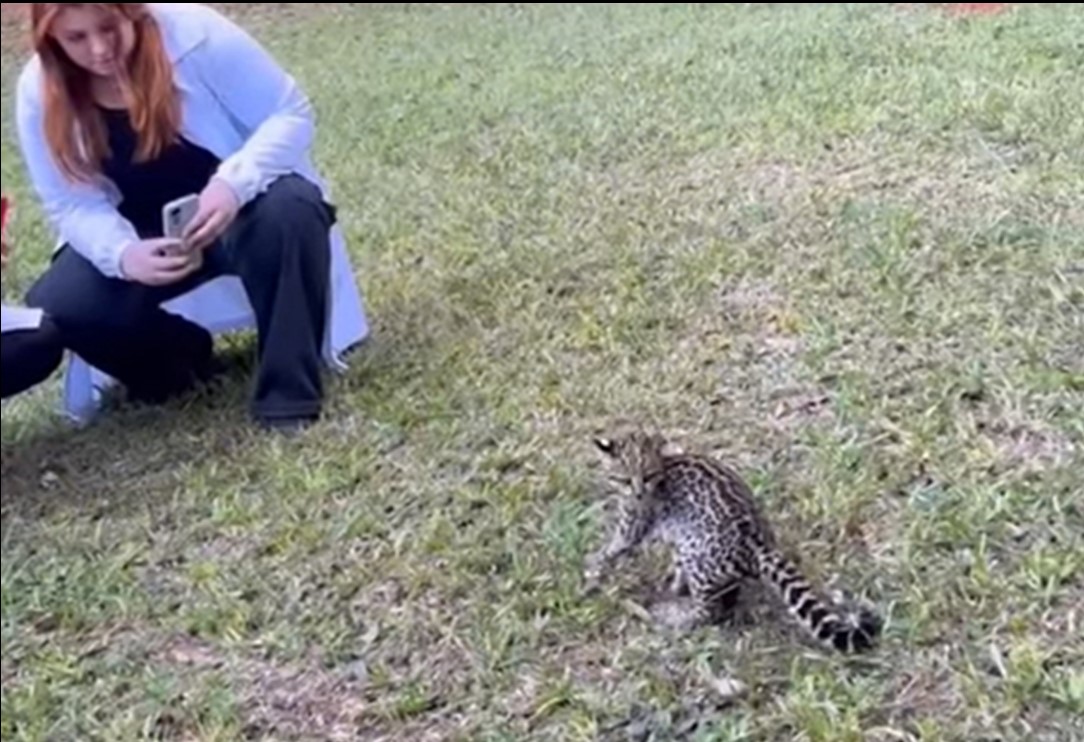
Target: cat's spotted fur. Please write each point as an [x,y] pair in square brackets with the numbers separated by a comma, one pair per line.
[720,539]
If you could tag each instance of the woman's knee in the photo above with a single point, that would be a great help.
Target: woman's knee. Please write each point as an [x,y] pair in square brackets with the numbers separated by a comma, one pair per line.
[76,295]
[61,290]
[30,357]
[294,204]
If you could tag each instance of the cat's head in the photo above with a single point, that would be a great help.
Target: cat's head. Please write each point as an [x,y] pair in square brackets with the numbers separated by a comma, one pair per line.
[633,459]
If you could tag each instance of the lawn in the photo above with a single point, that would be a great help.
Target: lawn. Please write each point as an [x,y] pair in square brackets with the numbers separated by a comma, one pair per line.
[840,245]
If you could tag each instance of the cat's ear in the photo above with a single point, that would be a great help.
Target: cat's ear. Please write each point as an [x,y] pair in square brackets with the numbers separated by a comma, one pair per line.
[605,445]
[663,446]
[671,448]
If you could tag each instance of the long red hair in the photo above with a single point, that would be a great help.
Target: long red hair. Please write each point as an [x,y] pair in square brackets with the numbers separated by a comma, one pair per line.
[74,128]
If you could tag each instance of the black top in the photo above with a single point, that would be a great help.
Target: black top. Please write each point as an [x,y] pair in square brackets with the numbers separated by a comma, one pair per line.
[181,169]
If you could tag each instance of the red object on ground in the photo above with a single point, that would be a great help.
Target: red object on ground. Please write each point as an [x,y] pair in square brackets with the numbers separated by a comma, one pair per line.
[4,248]
[977,8]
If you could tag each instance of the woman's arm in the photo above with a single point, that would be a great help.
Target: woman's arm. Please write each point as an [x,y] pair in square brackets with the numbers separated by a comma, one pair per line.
[80,213]
[263,98]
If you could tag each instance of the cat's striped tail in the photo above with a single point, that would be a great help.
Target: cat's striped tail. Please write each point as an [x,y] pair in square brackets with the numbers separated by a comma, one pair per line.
[822,621]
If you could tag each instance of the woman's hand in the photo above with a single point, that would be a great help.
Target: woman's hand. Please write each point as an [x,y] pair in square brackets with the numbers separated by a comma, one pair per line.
[218,207]
[159,262]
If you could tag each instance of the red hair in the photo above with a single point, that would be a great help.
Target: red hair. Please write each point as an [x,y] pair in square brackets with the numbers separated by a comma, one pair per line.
[74,128]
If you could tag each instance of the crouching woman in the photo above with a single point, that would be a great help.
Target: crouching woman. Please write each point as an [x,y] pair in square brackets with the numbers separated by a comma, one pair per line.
[125,107]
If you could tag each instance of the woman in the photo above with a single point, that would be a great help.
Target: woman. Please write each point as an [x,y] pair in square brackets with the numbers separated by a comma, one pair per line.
[128,106]
[30,346]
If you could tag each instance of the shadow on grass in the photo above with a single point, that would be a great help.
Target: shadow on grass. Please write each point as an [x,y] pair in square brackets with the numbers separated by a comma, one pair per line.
[130,452]
[59,466]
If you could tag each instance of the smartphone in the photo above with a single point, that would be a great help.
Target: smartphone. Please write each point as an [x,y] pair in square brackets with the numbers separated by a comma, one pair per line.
[176,215]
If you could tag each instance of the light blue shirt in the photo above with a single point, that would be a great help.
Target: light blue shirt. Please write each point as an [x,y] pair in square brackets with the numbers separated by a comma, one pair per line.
[236,102]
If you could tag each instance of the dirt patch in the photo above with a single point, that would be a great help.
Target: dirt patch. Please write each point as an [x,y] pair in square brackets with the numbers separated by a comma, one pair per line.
[12,13]
[930,693]
[749,296]
[283,701]
[1028,447]
[766,332]
[798,405]
[740,378]
[1017,441]
[731,195]
[12,31]
[163,577]
[7,675]
[276,700]
[968,9]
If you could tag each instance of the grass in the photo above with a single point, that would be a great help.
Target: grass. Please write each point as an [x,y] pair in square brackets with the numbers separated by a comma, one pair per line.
[840,244]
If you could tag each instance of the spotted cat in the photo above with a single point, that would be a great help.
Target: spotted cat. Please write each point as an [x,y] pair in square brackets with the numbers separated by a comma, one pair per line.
[719,539]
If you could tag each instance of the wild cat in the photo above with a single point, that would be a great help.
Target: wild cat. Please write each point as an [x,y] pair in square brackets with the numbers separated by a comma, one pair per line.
[719,537]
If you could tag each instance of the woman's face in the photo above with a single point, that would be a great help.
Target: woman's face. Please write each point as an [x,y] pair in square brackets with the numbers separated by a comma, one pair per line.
[96,39]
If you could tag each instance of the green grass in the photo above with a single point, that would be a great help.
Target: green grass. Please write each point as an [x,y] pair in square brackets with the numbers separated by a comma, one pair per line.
[840,244]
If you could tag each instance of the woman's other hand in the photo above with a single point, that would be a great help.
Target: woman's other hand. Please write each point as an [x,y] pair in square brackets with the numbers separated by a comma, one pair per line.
[159,262]
[218,207]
